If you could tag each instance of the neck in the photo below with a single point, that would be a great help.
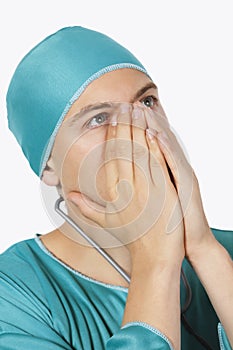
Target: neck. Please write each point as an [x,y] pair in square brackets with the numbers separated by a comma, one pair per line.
[75,251]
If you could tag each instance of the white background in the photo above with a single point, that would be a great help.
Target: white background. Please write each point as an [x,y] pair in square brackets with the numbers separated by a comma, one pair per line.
[187,48]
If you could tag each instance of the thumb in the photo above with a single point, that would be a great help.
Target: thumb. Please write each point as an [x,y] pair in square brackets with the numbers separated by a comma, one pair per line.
[87,207]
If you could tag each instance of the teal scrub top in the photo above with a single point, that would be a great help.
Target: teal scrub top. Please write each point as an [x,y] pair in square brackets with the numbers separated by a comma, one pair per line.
[44,304]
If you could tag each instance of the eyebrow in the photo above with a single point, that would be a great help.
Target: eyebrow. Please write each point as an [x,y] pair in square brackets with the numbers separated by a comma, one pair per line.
[84,110]
[94,107]
[143,90]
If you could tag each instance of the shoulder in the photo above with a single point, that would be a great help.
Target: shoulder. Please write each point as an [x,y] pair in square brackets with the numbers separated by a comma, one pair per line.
[17,263]
[20,285]
[22,298]
[15,257]
[26,319]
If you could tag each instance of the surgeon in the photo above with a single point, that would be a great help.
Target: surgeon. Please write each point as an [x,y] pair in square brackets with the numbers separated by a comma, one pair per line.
[135,264]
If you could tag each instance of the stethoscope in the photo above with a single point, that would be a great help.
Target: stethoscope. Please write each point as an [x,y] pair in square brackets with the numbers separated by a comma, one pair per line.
[89,240]
[112,262]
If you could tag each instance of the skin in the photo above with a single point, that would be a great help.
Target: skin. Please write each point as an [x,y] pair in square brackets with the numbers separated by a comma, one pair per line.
[120,85]
[206,255]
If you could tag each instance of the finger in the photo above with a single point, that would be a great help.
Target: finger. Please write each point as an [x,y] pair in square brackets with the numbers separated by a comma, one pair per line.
[140,151]
[174,155]
[157,165]
[156,120]
[124,143]
[88,208]
[182,171]
[153,129]
[161,177]
[110,165]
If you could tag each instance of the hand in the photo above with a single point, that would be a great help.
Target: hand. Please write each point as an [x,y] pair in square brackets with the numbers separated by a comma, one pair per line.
[198,234]
[139,186]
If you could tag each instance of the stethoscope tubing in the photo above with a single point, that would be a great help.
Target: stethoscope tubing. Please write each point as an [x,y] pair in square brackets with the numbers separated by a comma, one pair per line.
[89,240]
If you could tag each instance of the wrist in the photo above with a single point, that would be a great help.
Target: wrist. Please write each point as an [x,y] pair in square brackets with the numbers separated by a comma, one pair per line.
[208,250]
[156,266]
[147,258]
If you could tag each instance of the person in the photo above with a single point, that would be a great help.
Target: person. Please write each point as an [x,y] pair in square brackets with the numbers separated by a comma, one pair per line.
[88,118]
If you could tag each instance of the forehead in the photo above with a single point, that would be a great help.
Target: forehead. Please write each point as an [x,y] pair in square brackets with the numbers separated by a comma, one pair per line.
[115,86]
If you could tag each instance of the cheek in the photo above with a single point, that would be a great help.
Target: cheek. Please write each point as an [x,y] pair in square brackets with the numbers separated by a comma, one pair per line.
[70,167]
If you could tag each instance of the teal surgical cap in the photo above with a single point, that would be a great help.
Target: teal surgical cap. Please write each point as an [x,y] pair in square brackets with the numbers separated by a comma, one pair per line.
[50,78]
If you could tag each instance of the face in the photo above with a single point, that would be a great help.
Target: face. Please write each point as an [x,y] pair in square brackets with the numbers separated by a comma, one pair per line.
[78,151]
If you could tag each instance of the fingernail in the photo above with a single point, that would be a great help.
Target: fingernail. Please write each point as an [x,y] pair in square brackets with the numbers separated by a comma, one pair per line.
[114,120]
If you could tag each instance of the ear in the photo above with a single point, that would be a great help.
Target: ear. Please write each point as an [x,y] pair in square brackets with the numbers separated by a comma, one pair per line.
[49,176]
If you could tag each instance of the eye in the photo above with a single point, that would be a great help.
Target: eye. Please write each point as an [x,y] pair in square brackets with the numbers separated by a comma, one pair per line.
[149,101]
[97,120]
